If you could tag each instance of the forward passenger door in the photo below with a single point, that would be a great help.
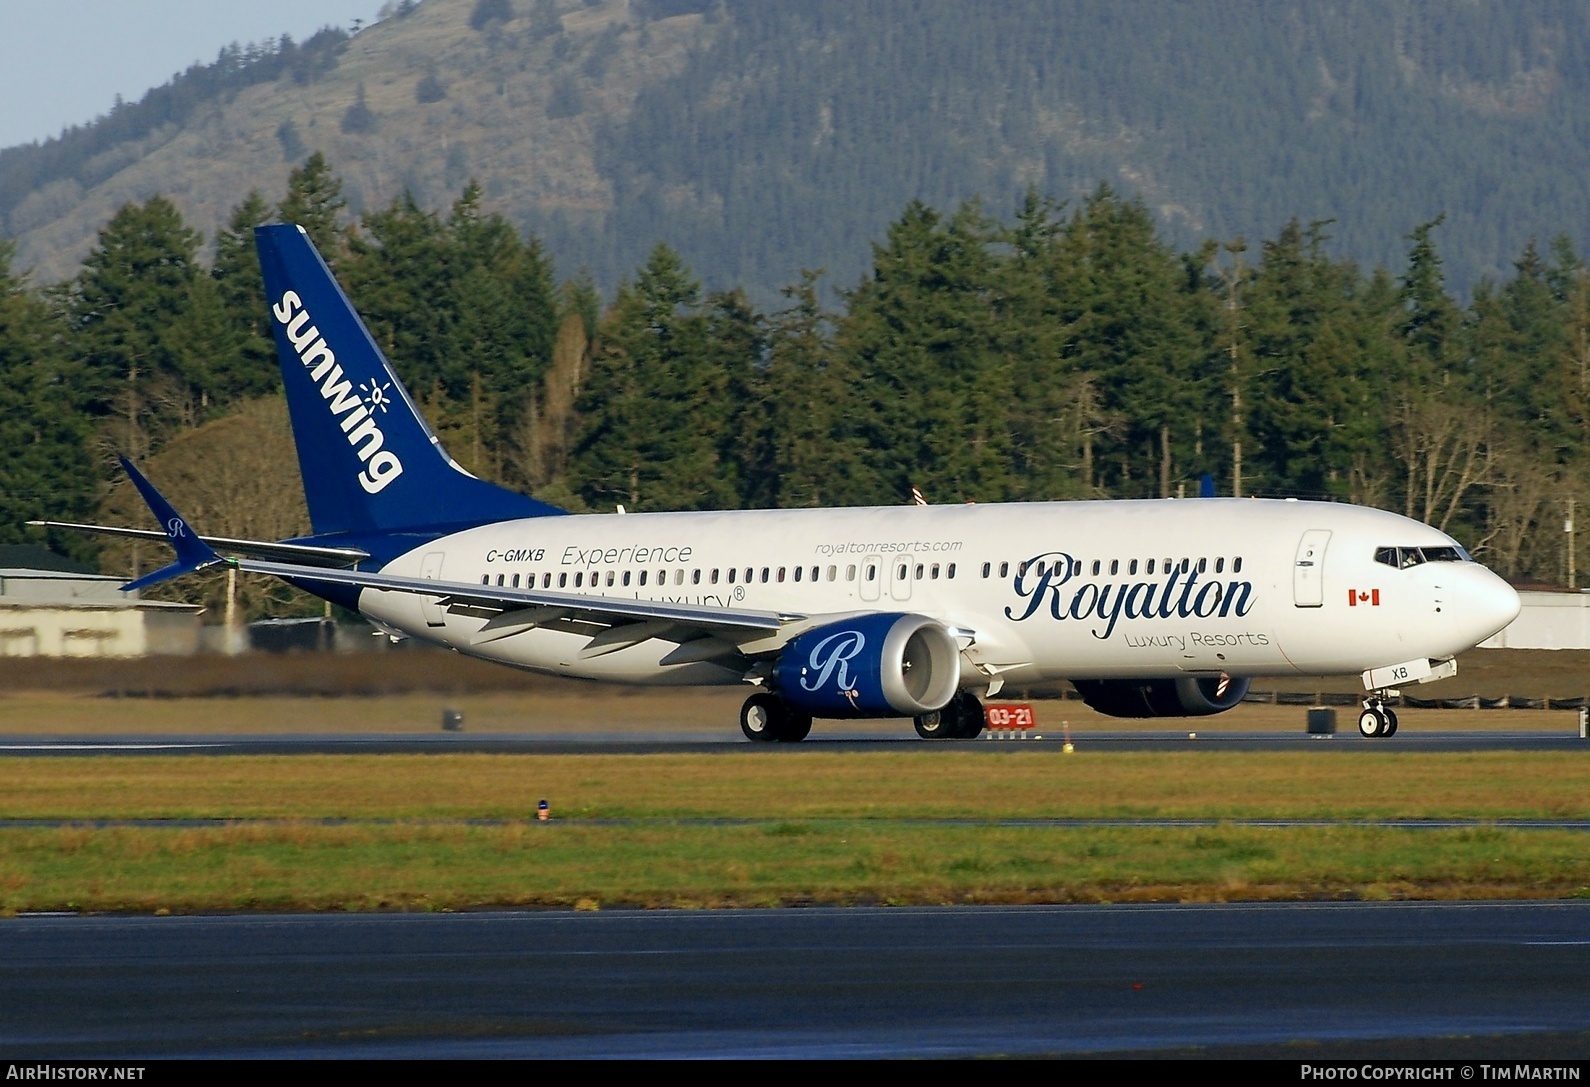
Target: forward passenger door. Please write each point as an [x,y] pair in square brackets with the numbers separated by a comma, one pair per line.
[1308,569]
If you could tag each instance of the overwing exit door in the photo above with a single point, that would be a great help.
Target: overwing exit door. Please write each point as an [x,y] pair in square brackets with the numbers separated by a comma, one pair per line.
[431,570]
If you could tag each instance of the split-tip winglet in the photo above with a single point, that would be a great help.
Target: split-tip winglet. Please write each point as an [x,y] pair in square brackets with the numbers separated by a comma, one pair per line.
[192,553]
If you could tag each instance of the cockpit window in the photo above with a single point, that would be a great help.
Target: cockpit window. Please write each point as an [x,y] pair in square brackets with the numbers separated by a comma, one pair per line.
[1404,557]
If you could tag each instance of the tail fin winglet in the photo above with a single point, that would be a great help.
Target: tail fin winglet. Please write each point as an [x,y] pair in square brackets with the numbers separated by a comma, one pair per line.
[192,552]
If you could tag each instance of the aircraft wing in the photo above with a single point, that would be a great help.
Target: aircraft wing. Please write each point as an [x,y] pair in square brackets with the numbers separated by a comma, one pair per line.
[254,549]
[612,622]
[702,633]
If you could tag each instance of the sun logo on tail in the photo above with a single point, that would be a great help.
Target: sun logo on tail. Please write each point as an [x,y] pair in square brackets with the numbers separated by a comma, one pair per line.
[376,395]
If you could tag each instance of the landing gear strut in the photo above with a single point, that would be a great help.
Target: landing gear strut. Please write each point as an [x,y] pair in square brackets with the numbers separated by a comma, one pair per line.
[962,719]
[1376,720]
[767,718]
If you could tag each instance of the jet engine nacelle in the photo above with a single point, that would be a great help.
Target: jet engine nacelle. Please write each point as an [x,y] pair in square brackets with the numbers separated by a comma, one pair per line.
[1187,696]
[886,665]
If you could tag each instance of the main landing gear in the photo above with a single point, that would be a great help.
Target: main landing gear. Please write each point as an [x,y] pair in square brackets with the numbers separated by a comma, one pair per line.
[962,719]
[767,718]
[1376,720]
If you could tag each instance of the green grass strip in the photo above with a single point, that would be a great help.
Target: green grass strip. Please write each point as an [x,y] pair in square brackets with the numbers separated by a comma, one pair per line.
[452,866]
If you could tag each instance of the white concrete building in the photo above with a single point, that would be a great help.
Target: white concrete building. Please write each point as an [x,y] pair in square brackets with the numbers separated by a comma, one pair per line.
[63,613]
[1550,619]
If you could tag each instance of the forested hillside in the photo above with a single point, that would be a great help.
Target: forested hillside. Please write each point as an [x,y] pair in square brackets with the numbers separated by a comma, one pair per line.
[758,139]
[1062,351]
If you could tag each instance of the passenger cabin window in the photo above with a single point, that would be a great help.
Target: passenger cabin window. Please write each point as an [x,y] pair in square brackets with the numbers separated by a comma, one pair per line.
[626,577]
[1151,566]
[987,568]
[1236,566]
[950,573]
[1004,569]
[765,571]
[643,574]
[850,573]
[872,572]
[1132,567]
[714,577]
[731,575]
[934,572]
[500,579]
[546,581]
[1220,566]
[563,581]
[695,577]
[1097,566]
[814,573]
[919,571]
[1115,567]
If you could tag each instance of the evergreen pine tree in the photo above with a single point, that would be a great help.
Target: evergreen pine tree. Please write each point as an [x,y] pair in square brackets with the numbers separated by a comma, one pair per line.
[314,201]
[241,287]
[128,306]
[46,471]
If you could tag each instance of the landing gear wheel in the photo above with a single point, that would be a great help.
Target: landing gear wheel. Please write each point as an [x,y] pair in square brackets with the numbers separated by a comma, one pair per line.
[760,718]
[972,719]
[795,727]
[1391,724]
[1371,722]
[937,725]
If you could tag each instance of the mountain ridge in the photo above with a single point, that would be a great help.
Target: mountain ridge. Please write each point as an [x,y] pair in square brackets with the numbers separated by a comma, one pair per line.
[760,140]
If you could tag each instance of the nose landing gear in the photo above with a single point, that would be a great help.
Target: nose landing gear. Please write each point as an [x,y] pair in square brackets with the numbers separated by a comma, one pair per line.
[1376,721]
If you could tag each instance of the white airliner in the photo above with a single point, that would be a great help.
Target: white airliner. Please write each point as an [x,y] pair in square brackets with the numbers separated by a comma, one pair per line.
[1150,608]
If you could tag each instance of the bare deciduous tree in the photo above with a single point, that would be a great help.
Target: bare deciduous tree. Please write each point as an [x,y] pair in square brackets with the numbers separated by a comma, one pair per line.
[1441,443]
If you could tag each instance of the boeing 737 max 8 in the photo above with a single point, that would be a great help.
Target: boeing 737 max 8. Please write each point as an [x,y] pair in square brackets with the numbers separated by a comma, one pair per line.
[1150,608]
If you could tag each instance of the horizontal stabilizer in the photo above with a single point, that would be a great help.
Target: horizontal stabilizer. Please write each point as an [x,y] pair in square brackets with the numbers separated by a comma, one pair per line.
[254,549]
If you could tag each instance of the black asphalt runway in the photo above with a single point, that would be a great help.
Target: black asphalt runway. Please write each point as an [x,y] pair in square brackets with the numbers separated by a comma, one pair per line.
[730,740]
[1299,980]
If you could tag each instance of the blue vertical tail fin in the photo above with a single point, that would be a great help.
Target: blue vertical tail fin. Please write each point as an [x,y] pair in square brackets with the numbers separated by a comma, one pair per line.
[369,461]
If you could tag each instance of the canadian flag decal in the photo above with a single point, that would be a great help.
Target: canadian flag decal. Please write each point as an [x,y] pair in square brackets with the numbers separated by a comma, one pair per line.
[1356,597]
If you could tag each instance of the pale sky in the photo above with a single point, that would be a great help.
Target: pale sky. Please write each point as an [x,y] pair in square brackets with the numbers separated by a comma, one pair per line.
[62,62]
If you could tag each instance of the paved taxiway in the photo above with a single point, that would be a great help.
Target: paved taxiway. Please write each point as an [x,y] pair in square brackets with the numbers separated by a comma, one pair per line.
[646,742]
[1365,979]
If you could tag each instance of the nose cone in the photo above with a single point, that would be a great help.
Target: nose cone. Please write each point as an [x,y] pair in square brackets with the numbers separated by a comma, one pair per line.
[1486,603]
